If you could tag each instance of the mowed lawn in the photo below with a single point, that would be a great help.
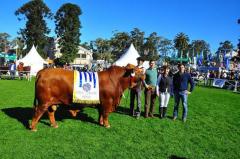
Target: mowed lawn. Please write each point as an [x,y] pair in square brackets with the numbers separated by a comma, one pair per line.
[211,131]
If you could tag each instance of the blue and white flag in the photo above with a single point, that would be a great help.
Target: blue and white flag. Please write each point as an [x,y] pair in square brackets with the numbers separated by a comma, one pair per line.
[200,59]
[209,57]
[218,82]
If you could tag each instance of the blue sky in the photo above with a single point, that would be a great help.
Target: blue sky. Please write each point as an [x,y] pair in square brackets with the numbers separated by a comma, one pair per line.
[210,20]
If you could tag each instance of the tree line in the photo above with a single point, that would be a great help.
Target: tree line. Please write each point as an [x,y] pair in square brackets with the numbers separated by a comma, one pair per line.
[67,30]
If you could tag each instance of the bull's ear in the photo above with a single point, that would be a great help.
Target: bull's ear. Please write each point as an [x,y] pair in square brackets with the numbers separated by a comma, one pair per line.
[130,66]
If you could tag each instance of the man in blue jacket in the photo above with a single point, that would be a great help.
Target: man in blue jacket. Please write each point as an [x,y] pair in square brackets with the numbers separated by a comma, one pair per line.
[180,88]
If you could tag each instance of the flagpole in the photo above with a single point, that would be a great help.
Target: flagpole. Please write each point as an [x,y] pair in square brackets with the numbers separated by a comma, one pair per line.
[16,49]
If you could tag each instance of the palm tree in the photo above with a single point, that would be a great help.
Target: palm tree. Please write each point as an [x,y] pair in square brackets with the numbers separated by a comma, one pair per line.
[199,46]
[181,43]
[225,46]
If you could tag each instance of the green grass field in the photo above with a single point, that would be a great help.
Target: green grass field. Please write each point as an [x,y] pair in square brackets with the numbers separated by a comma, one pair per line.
[211,131]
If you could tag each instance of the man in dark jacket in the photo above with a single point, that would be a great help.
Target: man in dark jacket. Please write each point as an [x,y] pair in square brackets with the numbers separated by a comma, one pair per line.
[137,91]
[180,87]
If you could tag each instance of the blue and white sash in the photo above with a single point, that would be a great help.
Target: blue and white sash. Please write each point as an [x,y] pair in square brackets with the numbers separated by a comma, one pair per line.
[86,88]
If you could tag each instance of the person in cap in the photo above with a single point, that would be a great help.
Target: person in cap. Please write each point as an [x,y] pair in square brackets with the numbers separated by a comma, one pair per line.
[137,91]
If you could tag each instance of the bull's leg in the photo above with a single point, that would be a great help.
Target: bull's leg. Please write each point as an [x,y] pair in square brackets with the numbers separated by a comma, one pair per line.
[105,120]
[39,111]
[51,116]
[100,118]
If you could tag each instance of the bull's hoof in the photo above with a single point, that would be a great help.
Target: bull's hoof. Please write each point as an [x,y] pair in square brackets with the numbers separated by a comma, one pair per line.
[107,126]
[33,130]
[54,125]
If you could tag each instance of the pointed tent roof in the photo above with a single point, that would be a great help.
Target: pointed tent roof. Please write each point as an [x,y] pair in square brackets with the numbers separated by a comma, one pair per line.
[129,57]
[34,60]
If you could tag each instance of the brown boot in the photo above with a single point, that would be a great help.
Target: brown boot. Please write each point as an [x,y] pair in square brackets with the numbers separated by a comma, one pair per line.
[146,112]
[152,111]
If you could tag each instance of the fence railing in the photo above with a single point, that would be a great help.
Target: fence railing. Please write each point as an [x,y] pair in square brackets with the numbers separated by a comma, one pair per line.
[220,83]
[17,74]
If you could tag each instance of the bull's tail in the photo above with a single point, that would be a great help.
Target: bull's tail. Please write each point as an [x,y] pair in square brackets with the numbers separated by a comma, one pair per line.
[35,100]
[35,94]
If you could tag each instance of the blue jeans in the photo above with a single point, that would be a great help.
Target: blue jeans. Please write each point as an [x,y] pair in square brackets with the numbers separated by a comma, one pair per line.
[12,74]
[183,96]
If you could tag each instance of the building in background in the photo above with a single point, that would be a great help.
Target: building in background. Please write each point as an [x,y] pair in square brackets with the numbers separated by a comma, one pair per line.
[84,56]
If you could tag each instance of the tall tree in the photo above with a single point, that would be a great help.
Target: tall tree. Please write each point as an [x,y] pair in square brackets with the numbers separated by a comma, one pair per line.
[4,41]
[165,47]
[103,50]
[137,38]
[35,11]
[120,42]
[86,45]
[102,45]
[18,44]
[238,41]
[68,31]
[225,46]
[199,46]
[151,46]
[181,43]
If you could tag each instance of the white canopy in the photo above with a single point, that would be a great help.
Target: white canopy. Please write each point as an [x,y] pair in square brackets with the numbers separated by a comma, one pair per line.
[34,60]
[130,57]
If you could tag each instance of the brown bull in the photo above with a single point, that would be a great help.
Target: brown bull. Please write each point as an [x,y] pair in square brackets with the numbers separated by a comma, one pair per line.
[55,87]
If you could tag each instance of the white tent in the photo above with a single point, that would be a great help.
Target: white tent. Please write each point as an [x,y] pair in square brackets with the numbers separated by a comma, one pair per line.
[34,60]
[130,57]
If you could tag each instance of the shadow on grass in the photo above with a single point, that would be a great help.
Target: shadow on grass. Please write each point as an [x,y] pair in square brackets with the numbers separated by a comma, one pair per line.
[176,157]
[126,111]
[24,114]
[122,110]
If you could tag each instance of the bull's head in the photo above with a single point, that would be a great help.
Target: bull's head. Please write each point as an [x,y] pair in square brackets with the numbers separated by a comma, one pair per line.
[136,74]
